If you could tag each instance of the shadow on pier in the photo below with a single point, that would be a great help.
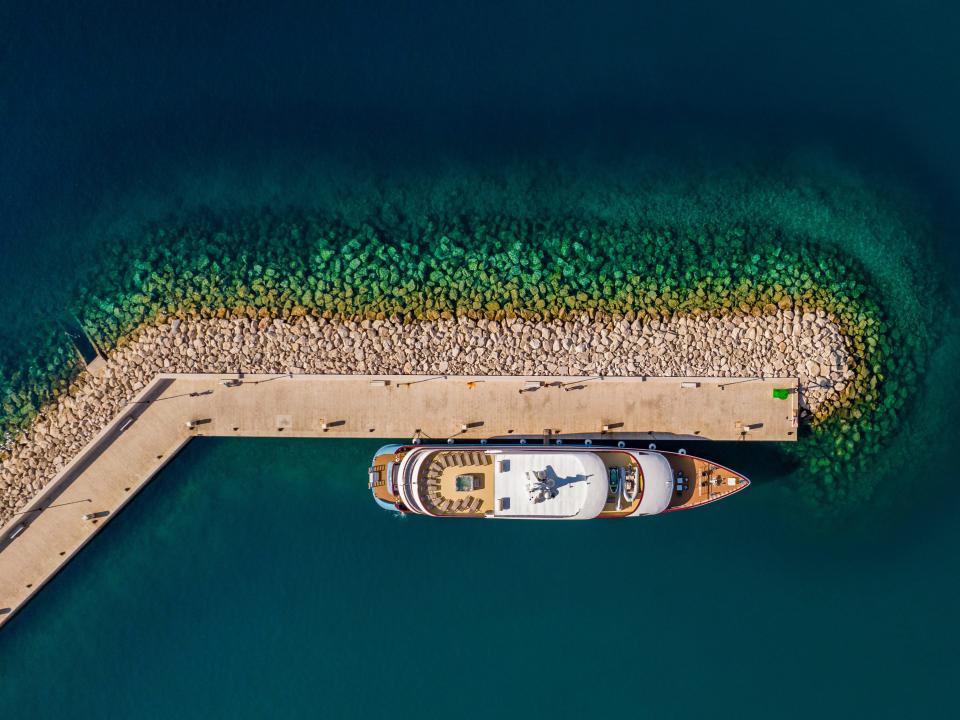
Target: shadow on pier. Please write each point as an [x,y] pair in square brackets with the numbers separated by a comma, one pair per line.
[123,421]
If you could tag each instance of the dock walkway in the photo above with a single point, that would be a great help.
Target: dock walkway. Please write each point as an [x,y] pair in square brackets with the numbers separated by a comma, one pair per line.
[174,408]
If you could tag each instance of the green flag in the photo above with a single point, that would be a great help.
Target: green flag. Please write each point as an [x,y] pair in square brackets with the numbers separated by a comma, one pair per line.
[781,393]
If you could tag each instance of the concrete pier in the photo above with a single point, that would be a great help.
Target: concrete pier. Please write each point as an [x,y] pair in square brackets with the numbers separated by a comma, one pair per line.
[174,408]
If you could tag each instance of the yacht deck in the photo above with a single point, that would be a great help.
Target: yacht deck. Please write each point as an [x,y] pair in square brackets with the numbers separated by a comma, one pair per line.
[625,461]
[437,482]
[698,481]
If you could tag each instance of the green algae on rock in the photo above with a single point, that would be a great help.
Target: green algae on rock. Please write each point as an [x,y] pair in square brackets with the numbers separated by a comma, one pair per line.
[726,251]
[501,266]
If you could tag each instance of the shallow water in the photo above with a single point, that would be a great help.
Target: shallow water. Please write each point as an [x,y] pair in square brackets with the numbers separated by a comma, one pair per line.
[255,578]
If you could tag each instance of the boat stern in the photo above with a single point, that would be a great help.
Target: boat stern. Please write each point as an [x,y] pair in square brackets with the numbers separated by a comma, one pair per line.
[382,477]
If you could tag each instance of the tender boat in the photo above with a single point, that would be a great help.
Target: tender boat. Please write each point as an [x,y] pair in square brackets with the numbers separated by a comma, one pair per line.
[544,482]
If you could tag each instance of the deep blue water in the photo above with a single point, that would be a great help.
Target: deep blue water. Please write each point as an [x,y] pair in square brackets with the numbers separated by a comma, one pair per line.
[257,578]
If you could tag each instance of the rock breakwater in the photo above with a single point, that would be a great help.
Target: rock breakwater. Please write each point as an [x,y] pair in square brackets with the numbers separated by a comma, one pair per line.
[808,345]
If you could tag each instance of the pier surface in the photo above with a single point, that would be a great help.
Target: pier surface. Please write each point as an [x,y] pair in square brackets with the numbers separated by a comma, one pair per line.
[174,408]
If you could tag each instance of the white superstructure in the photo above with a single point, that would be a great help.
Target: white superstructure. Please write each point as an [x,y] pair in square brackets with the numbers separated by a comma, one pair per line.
[579,478]
[547,482]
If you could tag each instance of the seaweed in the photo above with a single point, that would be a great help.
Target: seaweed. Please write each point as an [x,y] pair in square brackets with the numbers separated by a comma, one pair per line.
[735,254]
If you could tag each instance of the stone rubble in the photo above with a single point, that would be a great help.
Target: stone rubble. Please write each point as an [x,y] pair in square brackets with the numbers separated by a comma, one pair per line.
[785,344]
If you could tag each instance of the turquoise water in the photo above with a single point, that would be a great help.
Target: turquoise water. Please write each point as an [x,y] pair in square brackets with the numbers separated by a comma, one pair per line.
[257,578]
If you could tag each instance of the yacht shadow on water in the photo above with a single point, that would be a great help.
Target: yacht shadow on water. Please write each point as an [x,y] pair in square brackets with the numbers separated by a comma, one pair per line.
[762,462]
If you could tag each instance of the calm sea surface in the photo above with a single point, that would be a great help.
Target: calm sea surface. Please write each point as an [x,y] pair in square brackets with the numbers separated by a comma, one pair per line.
[258,579]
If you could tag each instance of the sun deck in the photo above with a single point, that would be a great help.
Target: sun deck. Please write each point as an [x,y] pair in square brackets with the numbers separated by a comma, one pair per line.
[457,482]
[549,483]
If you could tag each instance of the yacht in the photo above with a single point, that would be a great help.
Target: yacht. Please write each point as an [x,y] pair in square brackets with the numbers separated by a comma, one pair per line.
[544,482]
